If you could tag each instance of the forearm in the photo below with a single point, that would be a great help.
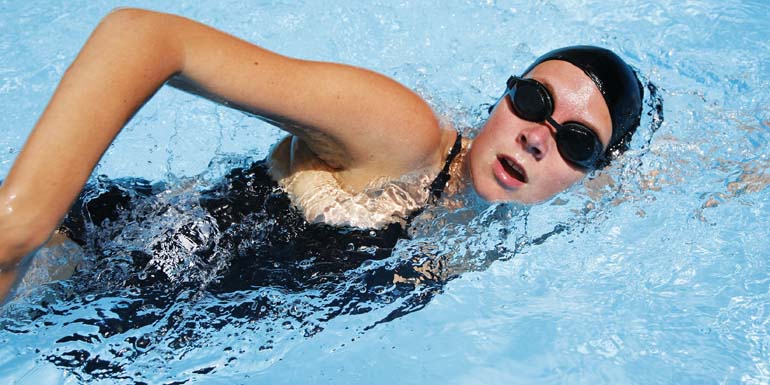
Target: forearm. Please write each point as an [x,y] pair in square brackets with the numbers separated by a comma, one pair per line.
[121,65]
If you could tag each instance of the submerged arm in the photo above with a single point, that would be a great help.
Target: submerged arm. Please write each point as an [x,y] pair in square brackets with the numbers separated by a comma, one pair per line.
[367,119]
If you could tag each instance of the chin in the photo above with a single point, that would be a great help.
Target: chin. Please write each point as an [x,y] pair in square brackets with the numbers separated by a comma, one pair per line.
[493,193]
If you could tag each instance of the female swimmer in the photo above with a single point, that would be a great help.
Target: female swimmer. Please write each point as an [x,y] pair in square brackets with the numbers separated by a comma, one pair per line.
[351,131]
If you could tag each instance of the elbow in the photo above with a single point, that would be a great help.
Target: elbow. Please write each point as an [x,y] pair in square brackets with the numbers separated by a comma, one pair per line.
[120,20]
[140,22]
[151,38]
[125,13]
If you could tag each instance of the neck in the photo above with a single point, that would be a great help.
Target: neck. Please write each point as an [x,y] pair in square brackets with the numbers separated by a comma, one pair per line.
[460,171]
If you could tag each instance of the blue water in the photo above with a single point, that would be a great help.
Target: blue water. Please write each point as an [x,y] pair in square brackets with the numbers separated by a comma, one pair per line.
[654,271]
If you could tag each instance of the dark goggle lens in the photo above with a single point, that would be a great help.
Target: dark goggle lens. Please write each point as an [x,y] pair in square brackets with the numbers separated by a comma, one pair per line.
[579,145]
[530,99]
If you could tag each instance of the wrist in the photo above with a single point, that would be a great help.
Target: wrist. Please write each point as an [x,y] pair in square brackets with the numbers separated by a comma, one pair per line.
[17,240]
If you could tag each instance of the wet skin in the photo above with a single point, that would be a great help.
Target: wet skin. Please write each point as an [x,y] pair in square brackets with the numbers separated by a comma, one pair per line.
[507,140]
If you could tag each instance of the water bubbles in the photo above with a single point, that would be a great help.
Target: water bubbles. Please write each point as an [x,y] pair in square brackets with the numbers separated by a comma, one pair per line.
[275,296]
[306,263]
[141,343]
[372,250]
[360,287]
[380,290]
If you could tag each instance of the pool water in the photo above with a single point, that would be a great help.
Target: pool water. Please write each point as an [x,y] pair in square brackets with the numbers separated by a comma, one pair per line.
[653,271]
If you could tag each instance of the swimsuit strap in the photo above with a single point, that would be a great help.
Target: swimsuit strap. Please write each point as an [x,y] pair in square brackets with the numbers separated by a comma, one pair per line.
[437,186]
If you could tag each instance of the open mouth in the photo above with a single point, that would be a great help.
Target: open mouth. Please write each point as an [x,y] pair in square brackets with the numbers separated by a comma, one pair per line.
[513,169]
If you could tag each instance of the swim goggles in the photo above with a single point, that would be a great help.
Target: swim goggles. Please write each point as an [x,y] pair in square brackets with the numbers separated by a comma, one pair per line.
[577,143]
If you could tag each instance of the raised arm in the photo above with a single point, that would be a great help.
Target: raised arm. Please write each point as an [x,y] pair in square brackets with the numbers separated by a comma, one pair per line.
[365,118]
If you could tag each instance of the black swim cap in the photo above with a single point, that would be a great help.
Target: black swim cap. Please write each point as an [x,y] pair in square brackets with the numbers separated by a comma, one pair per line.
[617,82]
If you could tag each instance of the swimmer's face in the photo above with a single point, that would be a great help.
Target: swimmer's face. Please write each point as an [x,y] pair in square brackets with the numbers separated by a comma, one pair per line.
[508,144]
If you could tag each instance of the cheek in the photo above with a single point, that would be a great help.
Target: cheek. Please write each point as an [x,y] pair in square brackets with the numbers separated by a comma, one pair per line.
[475,163]
[500,123]
[561,178]
[481,147]
[479,165]
[565,183]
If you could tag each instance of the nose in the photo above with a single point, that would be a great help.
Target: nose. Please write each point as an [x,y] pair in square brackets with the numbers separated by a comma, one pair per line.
[536,140]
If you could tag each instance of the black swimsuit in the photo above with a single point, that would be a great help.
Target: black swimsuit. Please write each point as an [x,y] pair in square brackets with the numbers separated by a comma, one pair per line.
[258,226]
[230,246]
